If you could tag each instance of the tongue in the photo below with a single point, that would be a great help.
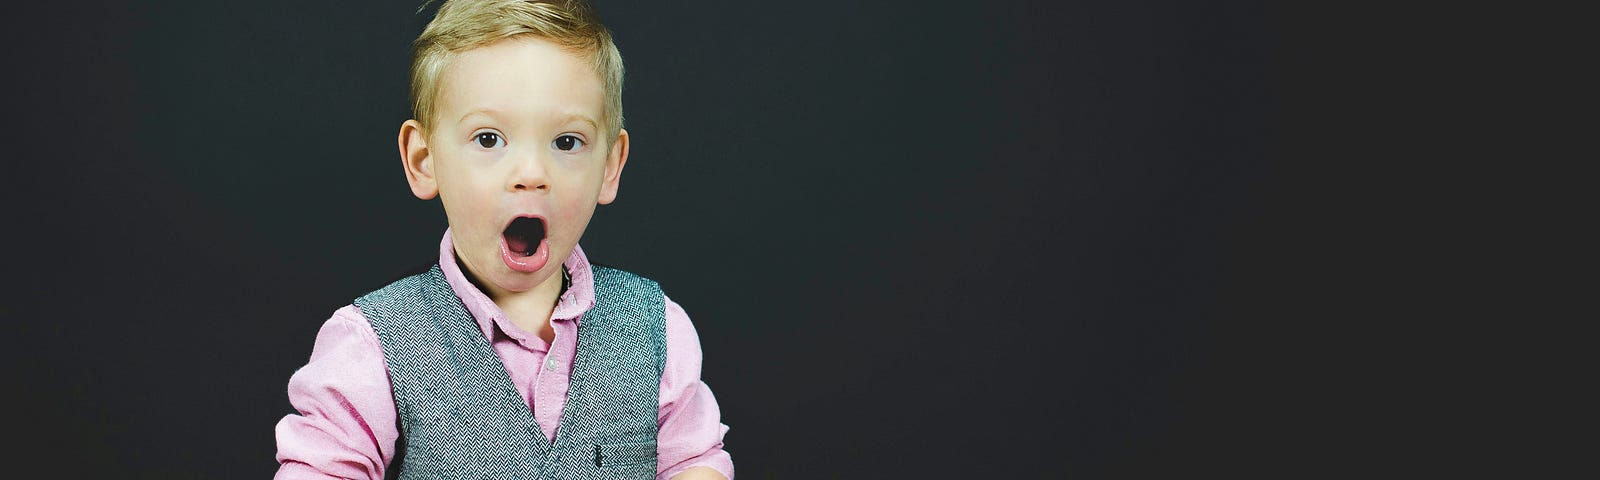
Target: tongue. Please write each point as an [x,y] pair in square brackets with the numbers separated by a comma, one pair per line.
[523,236]
[518,244]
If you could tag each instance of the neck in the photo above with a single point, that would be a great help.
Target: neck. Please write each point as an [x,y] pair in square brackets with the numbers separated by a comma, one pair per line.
[529,310]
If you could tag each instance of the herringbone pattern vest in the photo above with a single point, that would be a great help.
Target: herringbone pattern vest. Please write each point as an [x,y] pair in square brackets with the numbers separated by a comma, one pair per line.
[460,416]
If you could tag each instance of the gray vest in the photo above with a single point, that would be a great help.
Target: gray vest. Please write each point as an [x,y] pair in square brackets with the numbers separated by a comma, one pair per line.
[460,416]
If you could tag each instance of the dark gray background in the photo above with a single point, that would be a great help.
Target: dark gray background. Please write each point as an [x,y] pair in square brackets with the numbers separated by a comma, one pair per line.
[918,239]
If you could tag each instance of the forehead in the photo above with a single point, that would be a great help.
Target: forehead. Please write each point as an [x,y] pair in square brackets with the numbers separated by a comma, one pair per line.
[520,76]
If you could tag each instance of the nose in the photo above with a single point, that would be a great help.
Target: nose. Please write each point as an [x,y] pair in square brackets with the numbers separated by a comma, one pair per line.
[528,174]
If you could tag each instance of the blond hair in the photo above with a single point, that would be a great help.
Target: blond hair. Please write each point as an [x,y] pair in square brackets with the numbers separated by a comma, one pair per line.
[466,24]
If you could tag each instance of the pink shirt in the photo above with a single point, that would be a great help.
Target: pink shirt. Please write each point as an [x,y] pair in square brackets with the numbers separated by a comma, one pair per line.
[346,427]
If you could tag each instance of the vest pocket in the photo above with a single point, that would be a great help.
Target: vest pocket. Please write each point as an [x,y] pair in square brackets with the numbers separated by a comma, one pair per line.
[624,454]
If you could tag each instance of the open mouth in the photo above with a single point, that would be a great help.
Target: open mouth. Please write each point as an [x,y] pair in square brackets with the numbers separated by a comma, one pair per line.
[523,235]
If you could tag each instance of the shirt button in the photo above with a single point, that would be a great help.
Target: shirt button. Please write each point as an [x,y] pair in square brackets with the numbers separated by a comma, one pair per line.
[549,362]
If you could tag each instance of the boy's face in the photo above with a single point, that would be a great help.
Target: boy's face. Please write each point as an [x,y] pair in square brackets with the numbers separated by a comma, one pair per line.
[517,155]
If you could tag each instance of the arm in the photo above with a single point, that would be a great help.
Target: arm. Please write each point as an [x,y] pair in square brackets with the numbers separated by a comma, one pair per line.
[345,426]
[699,473]
[689,438]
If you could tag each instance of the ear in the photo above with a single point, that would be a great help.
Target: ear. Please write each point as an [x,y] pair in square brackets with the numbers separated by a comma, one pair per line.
[417,161]
[615,160]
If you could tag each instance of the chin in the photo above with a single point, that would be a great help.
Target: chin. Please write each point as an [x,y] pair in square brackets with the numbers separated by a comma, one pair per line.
[515,281]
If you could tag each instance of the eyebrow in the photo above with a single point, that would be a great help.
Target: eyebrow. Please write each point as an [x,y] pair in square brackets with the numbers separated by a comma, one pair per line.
[494,115]
[487,112]
[585,119]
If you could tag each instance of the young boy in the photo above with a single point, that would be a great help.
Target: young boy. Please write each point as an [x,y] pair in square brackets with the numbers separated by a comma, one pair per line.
[513,356]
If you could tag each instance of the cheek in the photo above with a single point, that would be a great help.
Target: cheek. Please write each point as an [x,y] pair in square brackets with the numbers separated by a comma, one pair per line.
[575,212]
[470,209]
[577,201]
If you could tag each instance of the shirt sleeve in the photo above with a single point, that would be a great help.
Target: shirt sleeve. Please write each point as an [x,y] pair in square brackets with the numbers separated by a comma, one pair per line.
[346,421]
[690,423]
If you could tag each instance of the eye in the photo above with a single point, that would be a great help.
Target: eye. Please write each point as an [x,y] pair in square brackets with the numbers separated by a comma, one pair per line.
[489,140]
[567,143]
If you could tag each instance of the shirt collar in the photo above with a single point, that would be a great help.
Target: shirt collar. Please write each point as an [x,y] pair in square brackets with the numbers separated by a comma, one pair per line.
[572,304]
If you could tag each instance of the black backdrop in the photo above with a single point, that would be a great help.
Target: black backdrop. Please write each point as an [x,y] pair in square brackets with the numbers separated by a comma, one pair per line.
[918,239]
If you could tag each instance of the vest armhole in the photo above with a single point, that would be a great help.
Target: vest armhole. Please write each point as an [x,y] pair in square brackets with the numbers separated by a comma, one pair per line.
[398,461]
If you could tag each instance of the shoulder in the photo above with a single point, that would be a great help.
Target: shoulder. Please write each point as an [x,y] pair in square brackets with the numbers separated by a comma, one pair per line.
[612,278]
[684,356]
[681,339]
[412,296]
[402,287]
[348,329]
[346,356]
[680,330]
[621,293]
